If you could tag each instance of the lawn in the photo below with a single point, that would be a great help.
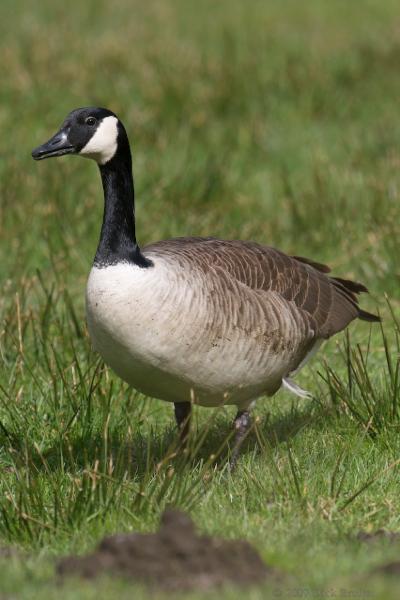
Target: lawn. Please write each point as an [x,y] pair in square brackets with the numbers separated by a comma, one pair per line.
[274,121]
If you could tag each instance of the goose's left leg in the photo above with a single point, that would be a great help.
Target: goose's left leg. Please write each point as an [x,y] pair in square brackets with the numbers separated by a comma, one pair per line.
[183,412]
[242,424]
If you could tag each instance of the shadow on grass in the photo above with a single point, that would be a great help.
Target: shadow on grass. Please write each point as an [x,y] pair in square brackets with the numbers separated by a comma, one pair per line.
[137,472]
[211,441]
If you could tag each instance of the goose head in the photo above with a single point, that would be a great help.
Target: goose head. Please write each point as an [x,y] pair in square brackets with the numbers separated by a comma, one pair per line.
[91,132]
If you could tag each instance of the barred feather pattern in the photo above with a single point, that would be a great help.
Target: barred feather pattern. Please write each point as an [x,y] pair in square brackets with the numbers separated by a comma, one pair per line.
[330,302]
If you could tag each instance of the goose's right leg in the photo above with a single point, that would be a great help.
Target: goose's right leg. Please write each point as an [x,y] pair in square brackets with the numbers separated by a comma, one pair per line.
[242,424]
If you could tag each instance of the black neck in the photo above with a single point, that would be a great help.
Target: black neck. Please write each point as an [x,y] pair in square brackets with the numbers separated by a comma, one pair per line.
[117,239]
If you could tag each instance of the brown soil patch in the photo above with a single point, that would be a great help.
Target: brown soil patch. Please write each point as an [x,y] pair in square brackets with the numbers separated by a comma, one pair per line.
[7,551]
[379,534]
[391,568]
[174,558]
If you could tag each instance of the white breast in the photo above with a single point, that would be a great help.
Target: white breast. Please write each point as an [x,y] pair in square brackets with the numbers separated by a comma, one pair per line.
[172,335]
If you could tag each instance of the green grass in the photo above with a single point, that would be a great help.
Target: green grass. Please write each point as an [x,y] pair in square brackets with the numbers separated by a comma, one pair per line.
[277,122]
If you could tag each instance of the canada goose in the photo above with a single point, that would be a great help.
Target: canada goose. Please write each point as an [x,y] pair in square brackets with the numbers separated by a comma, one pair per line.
[196,319]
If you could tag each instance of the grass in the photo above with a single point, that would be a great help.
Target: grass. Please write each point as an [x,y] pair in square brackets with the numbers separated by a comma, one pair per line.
[271,121]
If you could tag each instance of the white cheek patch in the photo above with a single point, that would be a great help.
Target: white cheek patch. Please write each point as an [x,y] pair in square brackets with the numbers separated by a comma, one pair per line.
[103,145]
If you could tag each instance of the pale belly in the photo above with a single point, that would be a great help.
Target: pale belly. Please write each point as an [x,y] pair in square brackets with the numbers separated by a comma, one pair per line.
[170,337]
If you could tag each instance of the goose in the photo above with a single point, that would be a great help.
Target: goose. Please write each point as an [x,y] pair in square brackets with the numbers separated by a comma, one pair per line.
[196,320]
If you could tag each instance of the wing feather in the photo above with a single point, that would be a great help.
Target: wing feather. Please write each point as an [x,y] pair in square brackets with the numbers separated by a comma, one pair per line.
[331,302]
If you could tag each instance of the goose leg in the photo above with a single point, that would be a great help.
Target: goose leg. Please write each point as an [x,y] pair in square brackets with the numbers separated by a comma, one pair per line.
[242,424]
[182,415]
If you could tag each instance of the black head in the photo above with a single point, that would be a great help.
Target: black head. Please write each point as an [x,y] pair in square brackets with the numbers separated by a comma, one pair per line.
[91,132]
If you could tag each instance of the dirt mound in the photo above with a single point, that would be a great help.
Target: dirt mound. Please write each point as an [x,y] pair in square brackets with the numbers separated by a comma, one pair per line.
[174,558]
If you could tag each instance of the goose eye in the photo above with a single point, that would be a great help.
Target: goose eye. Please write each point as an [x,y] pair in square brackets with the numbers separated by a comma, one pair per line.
[90,121]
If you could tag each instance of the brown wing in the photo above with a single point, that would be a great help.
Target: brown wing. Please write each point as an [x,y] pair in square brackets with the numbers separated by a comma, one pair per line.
[331,302]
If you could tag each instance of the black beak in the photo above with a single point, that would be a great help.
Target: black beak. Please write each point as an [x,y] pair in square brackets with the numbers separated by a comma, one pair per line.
[58,145]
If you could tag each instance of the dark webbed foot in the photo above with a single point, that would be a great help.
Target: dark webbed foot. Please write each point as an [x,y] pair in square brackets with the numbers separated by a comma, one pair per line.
[183,416]
[242,424]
